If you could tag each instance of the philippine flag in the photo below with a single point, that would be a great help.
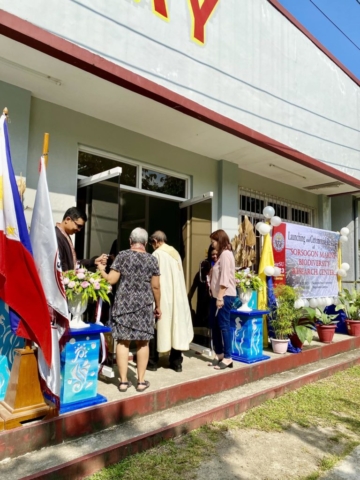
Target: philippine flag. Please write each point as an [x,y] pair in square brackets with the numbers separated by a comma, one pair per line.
[46,256]
[20,285]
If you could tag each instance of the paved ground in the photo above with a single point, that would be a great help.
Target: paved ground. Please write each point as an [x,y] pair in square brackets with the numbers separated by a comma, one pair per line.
[347,469]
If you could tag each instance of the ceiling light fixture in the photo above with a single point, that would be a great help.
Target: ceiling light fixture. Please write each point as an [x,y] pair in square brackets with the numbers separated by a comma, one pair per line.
[22,68]
[324,185]
[287,171]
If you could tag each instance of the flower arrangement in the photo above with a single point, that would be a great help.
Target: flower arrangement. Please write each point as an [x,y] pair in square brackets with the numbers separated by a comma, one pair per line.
[90,286]
[246,280]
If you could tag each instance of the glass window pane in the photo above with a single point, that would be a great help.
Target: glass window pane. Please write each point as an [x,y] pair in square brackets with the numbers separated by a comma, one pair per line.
[90,164]
[162,183]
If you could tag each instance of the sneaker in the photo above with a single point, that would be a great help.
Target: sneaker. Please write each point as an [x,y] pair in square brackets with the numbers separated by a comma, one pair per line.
[152,368]
[176,368]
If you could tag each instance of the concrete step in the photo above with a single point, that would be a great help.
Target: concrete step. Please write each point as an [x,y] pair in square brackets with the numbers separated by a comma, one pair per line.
[167,390]
[82,457]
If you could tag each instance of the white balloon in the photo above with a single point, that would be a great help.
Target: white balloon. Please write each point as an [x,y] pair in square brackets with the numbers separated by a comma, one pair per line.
[343,239]
[275,221]
[301,303]
[328,301]
[264,229]
[320,302]
[336,301]
[345,231]
[345,266]
[296,304]
[341,272]
[257,226]
[277,271]
[306,302]
[313,303]
[268,212]
[269,271]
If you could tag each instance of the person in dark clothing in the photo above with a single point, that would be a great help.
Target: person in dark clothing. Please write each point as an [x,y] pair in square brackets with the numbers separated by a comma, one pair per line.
[201,283]
[73,221]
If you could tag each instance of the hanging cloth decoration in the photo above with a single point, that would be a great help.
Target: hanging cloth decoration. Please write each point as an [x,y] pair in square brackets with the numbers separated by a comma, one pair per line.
[244,244]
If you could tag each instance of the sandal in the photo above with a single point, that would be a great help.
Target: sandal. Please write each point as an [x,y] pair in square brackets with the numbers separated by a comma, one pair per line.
[222,366]
[214,362]
[126,384]
[145,384]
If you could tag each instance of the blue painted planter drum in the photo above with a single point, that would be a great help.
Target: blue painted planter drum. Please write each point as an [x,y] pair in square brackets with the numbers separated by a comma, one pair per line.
[247,336]
[79,369]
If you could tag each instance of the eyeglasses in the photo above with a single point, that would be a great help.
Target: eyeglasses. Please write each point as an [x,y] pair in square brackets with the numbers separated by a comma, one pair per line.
[79,225]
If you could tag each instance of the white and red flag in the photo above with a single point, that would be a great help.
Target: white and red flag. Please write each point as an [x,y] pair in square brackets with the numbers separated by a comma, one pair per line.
[46,256]
[20,285]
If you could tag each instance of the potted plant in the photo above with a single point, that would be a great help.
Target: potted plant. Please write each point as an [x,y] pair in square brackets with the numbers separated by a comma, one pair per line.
[246,283]
[282,317]
[350,303]
[80,287]
[303,330]
[325,323]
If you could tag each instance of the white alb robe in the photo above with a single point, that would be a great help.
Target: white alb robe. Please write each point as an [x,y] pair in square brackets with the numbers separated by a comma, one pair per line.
[174,329]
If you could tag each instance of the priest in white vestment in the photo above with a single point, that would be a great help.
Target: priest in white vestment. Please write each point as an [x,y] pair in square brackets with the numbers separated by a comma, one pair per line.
[174,329]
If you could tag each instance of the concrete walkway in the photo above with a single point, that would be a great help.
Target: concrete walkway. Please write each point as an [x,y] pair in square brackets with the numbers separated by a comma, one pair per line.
[347,469]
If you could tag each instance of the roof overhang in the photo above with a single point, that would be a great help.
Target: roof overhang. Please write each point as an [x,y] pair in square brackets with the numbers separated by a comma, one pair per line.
[55,70]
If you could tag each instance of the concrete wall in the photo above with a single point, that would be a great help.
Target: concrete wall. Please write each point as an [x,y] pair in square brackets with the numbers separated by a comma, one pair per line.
[68,129]
[18,102]
[254,66]
[277,189]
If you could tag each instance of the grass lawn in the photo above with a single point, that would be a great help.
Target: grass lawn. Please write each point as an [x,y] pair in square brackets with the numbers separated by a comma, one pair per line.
[333,402]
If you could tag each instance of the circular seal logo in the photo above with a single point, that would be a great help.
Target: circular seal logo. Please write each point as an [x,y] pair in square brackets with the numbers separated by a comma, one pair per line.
[278,242]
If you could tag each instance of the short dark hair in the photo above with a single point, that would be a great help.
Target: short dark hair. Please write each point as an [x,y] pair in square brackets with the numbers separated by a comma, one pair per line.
[159,236]
[74,213]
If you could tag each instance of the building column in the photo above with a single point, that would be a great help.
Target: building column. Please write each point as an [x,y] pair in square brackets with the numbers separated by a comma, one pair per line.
[324,212]
[344,212]
[228,197]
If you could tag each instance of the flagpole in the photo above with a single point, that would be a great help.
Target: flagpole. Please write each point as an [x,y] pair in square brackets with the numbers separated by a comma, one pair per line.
[45,149]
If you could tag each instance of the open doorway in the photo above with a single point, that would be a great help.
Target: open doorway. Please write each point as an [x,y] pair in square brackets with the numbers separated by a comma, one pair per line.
[114,210]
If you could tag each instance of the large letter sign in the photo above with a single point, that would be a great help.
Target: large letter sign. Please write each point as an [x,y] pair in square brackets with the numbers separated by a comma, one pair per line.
[308,259]
[200,13]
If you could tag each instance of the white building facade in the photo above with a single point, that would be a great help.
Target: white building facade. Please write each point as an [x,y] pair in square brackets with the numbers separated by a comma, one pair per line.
[212,109]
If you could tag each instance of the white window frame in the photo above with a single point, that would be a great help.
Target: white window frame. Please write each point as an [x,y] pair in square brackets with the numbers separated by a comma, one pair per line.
[139,166]
[278,200]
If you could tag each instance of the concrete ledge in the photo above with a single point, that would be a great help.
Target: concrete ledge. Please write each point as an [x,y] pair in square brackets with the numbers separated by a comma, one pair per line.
[28,438]
[89,464]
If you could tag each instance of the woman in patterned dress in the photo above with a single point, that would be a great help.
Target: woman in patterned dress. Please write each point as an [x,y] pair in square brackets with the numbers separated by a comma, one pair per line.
[133,313]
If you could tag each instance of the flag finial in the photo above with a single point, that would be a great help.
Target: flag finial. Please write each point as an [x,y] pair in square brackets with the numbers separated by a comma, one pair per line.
[6,112]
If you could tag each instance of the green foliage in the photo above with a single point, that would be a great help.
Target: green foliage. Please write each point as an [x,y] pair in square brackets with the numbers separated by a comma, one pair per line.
[304,328]
[285,316]
[318,316]
[90,286]
[350,303]
[329,403]
[246,280]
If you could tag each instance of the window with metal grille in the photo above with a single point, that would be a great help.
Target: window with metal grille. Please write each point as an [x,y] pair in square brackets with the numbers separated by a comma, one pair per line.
[252,204]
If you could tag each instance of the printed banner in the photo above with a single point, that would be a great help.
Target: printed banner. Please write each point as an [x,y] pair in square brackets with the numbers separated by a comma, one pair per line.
[308,259]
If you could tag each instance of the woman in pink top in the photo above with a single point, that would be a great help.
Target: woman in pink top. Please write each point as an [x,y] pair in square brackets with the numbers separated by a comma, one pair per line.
[223,291]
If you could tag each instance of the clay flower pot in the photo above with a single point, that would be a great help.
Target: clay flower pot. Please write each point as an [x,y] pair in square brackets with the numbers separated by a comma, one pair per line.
[326,332]
[279,346]
[353,327]
[295,340]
